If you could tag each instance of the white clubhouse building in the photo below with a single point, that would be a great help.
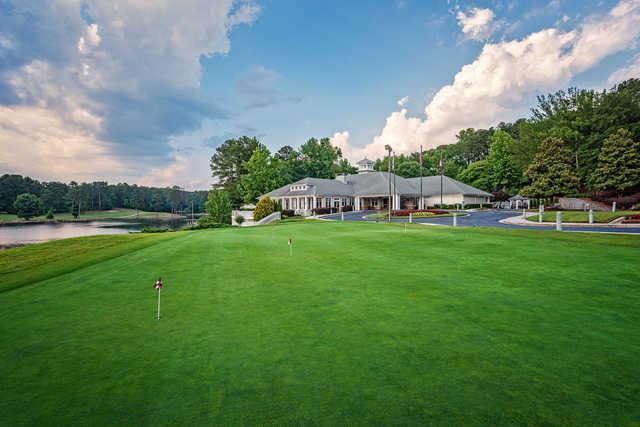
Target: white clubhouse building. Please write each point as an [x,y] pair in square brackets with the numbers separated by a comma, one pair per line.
[369,190]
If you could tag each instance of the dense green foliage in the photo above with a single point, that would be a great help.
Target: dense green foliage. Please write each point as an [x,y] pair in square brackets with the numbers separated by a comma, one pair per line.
[74,197]
[27,205]
[251,336]
[618,163]
[502,172]
[551,173]
[218,208]
[583,120]
[265,207]
[245,169]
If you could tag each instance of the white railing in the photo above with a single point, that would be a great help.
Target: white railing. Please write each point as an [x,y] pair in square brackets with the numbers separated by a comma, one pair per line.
[275,216]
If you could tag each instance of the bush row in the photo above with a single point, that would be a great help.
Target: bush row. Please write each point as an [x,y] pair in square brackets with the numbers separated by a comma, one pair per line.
[417,212]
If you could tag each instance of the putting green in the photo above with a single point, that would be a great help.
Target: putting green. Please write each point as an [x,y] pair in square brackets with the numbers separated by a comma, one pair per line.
[366,323]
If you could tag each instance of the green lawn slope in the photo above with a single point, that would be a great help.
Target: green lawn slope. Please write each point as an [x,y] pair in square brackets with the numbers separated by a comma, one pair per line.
[365,324]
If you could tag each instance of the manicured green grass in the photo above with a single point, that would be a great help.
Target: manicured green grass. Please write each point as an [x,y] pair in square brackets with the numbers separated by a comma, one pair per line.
[7,217]
[365,324]
[581,216]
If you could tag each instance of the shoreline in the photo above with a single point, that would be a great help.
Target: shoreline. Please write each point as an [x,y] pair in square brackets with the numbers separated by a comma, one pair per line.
[173,217]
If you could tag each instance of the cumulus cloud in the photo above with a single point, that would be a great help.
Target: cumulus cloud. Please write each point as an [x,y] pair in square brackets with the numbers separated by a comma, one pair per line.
[477,24]
[504,74]
[124,75]
[630,71]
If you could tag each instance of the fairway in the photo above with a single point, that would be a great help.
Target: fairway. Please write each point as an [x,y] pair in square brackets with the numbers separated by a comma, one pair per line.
[365,324]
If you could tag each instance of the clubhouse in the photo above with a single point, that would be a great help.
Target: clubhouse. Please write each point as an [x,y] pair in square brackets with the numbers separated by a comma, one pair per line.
[369,190]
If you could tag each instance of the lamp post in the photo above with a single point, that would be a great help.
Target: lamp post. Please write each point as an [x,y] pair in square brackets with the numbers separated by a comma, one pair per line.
[420,203]
[441,165]
[388,148]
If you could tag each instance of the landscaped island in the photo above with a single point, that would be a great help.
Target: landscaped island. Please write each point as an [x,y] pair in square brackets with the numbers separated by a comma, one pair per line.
[365,323]
[120,213]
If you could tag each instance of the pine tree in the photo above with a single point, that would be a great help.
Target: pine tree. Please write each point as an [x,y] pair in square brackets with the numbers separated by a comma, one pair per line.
[618,165]
[552,171]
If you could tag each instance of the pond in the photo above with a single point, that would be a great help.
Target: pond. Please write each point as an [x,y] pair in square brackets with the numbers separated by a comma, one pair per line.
[34,233]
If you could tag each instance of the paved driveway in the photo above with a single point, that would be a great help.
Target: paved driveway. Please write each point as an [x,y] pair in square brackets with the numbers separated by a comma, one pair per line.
[490,218]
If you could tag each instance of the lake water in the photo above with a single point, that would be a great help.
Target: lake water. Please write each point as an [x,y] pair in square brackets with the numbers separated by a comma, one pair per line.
[34,233]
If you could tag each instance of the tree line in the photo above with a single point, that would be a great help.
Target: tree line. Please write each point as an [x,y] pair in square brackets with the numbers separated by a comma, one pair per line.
[576,142]
[58,197]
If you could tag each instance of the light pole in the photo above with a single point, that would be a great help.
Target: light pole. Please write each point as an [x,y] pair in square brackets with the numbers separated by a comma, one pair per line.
[441,165]
[420,203]
[388,148]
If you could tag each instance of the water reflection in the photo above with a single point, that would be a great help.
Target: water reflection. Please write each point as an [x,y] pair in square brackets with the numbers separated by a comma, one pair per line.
[34,233]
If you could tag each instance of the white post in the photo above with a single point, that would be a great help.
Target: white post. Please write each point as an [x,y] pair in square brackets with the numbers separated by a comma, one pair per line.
[159,289]
[455,220]
[341,216]
[559,221]
[540,212]
[524,213]
[613,207]
[410,217]
[590,216]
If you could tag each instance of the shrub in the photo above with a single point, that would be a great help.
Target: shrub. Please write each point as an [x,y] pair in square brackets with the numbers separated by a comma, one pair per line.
[50,214]
[207,222]
[27,205]
[347,208]
[288,212]
[264,208]
[322,211]
[239,219]
[154,230]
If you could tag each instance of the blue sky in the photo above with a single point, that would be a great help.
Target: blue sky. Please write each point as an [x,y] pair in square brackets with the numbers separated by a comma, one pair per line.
[145,92]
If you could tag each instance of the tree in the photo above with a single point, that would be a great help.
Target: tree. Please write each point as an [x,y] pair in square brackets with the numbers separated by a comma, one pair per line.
[228,164]
[503,174]
[13,185]
[219,207]
[343,166]
[618,163]
[552,171]
[27,205]
[53,196]
[318,157]
[264,208]
[477,175]
[263,174]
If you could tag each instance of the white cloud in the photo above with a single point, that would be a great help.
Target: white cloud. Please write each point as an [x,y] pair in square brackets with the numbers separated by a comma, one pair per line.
[121,77]
[489,89]
[630,71]
[403,101]
[477,24]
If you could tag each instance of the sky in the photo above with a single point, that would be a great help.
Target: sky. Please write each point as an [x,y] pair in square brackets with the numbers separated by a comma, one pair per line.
[143,92]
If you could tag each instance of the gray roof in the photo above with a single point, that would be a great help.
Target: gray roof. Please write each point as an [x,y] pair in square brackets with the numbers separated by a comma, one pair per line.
[518,197]
[431,186]
[376,184]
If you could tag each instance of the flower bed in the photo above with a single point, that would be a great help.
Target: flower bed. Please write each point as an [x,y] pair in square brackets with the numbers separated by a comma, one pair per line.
[632,219]
[417,213]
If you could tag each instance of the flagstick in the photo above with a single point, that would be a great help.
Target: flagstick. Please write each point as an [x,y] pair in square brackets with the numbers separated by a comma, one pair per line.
[159,289]
[291,249]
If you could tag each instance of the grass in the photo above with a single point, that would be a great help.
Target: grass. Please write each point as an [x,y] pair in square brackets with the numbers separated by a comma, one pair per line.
[581,216]
[365,324]
[97,215]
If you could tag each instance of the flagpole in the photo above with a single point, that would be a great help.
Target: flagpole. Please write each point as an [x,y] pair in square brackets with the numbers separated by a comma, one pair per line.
[420,202]
[159,289]
[394,175]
